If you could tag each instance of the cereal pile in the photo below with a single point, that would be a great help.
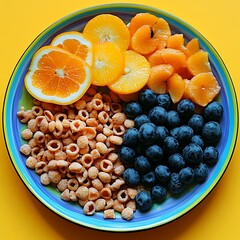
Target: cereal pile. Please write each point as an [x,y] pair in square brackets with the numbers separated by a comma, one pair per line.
[75,147]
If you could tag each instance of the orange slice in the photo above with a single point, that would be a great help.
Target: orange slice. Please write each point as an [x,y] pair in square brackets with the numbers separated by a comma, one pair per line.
[176,87]
[57,76]
[75,43]
[159,75]
[142,41]
[108,63]
[168,56]
[185,94]
[141,19]
[203,88]
[176,41]
[108,28]
[198,63]
[135,76]
[193,46]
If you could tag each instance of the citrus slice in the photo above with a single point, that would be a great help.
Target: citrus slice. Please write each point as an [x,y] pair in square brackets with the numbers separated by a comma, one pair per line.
[108,28]
[203,88]
[57,76]
[141,19]
[176,87]
[75,43]
[168,56]
[193,46]
[142,41]
[159,75]
[198,63]
[135,76]
[108,63]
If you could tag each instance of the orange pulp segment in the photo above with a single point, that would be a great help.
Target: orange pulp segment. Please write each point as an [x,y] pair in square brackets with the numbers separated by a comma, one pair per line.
[203,88]
[198,63]
[168,56]
[176,87]
[141,19]
[142,41]
[175,41]
[135,76]
[193,46]
[75,43]
[108,28]
[57,76]
[159,75]
[108,63]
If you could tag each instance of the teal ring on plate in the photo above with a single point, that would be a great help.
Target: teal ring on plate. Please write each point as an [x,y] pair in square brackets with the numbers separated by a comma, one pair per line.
[16,96]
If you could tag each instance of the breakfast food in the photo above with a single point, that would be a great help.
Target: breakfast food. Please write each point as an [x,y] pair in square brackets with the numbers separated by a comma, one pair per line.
[57,76]
[123,115]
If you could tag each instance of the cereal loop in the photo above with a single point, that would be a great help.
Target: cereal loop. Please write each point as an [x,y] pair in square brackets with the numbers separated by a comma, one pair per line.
[89,208]
[103,117]
[83,115]
[54,145]
[87,160]
[77,125]
[97,104]
[72,149]
[106,193]
[106,165]
[89,132]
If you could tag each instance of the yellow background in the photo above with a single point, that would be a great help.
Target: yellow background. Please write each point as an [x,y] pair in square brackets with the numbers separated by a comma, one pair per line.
[24,217]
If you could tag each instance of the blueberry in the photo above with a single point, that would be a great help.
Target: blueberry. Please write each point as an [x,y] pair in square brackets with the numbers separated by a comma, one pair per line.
[192,154]
[142,165]
[197,139]
[158,193]
[211,132]
[147,133]
[148,179]
[175,185]
[173,119]
[164,100]
[143,201]
[201,172]
[140,120]
[196,122]
[130,137]
[162,133]
[174,132]
[170,145]
[210,155]
[184,134]
[133,109]
[213,112]
[162,173]
[131,177]
[127,155]
[185,109]
[154,153]
[158,115]
[186,175]
[176,161]
[147,98]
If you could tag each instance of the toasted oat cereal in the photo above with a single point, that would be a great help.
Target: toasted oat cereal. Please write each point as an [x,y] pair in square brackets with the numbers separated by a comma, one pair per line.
[127,213]
[75,148]
[109,214]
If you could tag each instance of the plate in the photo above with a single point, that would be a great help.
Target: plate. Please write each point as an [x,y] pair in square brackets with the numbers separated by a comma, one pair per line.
[16,96]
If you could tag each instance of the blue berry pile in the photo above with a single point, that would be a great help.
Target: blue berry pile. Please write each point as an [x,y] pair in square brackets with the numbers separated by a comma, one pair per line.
[170,147]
